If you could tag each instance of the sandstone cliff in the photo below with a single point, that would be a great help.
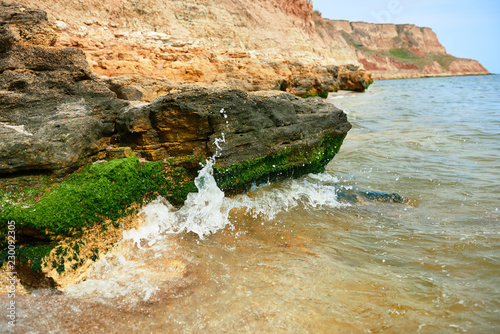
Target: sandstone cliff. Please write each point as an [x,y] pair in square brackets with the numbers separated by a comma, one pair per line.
[252,45]
[398,50]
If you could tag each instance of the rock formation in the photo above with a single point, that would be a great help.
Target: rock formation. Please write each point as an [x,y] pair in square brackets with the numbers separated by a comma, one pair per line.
[251,45]
[59,123]
[392,51]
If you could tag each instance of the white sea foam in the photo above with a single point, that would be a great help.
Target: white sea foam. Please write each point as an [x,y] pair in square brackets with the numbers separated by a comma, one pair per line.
[159,217]
[311,191]
[204,212]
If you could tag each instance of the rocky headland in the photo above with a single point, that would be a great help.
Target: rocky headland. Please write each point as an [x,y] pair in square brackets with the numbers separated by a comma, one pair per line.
[393,51]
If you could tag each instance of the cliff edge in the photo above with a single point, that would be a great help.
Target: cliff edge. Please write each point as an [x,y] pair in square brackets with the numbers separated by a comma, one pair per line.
[393,51]
[153,46]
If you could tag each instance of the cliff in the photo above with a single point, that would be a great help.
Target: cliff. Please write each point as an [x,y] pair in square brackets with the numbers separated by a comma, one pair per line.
[398,50]
[252,45]
[156,45]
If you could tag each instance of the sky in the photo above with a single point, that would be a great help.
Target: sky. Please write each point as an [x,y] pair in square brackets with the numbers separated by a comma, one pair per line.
[466,28]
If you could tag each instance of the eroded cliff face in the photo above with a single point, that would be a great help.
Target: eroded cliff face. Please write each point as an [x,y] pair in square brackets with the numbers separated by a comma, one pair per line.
[399,50]
[252,45]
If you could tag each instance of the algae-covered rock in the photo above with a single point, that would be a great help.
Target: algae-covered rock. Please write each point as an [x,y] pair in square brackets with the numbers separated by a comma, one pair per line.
[58,122]
[100,192]
[255,136]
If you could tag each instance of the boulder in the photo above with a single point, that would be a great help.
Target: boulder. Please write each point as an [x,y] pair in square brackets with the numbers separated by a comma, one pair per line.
[271,134]
[50,101]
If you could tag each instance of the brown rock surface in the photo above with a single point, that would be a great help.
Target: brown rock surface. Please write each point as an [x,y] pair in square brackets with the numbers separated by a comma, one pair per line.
[251,45]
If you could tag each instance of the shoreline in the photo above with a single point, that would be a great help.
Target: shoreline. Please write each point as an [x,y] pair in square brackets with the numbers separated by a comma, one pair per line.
[376,78]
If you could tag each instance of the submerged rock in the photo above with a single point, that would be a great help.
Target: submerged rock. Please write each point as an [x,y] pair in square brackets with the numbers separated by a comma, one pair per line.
[354,196]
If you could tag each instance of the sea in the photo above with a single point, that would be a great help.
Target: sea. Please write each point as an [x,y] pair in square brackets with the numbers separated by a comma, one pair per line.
[400,234]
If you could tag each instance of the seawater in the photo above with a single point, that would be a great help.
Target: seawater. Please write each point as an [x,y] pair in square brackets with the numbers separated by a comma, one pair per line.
[299,256]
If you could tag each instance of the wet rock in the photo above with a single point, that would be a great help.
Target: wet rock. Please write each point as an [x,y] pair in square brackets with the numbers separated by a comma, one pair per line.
[254,135]
[353,195]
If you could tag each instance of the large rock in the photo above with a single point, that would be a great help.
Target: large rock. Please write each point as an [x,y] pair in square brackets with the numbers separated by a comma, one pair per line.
[253,137]
[49,99]
[272,134]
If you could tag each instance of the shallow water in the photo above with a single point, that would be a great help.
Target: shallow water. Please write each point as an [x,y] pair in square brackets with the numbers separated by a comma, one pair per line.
[298,257]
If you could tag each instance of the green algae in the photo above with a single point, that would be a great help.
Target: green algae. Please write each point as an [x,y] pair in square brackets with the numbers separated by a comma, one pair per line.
[108,191]
[239,177]
[34,255]
[100,192]
[322,94]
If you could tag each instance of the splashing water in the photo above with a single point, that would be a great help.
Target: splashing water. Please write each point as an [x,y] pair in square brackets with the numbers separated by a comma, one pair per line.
[204,212]
[291,256]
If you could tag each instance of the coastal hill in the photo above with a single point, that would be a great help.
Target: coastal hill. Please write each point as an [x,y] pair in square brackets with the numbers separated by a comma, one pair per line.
[253,45]
[398,50]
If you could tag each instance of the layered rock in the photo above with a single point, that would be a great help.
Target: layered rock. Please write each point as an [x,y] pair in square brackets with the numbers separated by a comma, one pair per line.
[271,29]
[48,98]
[257,136]
[233,42]
[250,45]
[399,50]
[294,78]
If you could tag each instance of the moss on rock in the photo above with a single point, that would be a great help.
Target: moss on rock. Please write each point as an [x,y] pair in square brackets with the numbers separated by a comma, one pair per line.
[99,192]
[291,162]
